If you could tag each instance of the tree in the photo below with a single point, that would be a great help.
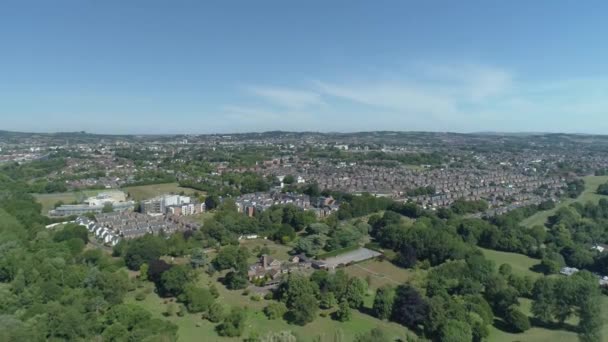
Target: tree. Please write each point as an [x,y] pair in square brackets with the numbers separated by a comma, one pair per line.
[328,300]
[156,269]
[383,302]
[311,245]
[317,229]
[174,281]
[517,320]
[71,231]
[143,271]
[304,309]
[590,323]
[115,332]
[409,307]
[215,313]
[407,256]
[505,270]
[236,280]
[456,331]
[299,294]
[198,258]
[231,257]
[602,189]
[275,310]
[355,292]
[543,297]
[143,250]
[344,312]
[234,323]
[197,299]
[211,202]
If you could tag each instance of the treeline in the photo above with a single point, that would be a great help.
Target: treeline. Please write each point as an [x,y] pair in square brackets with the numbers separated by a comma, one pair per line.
[575,188]
[151,177]
[421,191]
[230,184]
[32,176]
[403,158]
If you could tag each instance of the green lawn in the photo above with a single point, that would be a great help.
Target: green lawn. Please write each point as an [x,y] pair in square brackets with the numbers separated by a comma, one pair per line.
[591,184]
[277,251]
[143,192]
[48,200]
[202,217]
[381,273]
[520,263]
[193,328]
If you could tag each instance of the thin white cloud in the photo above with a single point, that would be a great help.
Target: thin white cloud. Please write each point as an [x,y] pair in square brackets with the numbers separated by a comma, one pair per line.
[401,97]
[476,82]
[289,98]
[434,97]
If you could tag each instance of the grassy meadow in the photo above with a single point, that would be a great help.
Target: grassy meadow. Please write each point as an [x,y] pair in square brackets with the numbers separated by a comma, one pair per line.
[142,192]
[521,264]
[48,200]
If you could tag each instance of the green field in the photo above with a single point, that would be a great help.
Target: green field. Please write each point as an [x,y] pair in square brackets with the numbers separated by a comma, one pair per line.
[48,200]
[591,184]
[193,328]
[277,251]
[520,263]
[381,273]
[142,192]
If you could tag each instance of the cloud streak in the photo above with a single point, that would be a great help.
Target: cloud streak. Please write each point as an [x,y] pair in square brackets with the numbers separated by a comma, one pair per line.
[438,97]
[289,98]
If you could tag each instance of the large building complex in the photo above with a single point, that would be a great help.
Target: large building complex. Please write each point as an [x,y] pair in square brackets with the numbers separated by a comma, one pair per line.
[172,204]
[96,204]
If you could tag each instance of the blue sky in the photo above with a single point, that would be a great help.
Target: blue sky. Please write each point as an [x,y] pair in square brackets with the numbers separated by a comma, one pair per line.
[150,66]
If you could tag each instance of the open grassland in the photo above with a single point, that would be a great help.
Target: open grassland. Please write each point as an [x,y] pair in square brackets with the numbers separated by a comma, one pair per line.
[142,192]
[521,264]
[381,273]
[202,217]
[193,328]
[48,200]
[591,184]
[277,251]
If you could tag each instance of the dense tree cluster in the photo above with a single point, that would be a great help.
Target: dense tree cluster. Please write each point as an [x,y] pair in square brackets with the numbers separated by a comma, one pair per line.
[462,207]
[55,290]
[557,299]
[304,296]
[602,189]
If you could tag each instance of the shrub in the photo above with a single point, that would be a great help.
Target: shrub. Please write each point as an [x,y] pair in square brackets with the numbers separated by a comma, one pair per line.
[215,313]
[275,310]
